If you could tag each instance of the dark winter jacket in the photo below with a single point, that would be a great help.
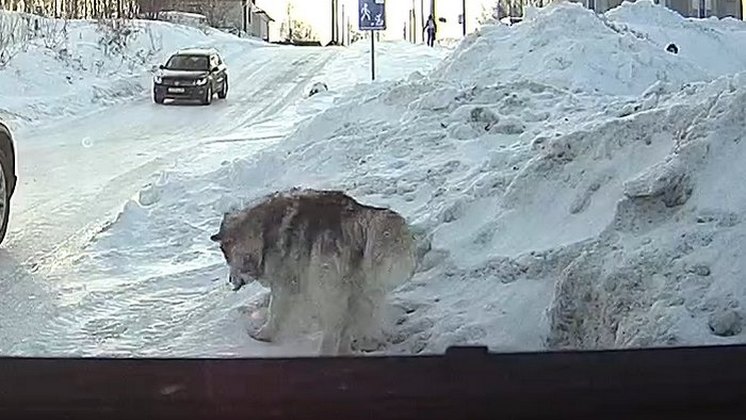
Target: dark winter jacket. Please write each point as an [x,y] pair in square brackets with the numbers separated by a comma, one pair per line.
[431,26]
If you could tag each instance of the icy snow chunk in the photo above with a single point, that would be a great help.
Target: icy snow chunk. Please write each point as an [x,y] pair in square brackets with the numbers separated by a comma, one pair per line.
[700,270]
[453,212]
[721,218]
[415,76]
[668,179]
[726,322]
[509,125]
[149,195]
[462,131]
[438,99]
[483,116]
[581,202]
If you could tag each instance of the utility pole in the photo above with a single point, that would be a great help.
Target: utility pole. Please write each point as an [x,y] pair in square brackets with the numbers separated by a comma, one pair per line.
[245,16]
[463,16]
[414,22]
[372,55]
[422,19]
[334,28]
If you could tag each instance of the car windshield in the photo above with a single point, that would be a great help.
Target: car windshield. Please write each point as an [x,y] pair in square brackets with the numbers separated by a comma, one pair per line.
[370,177]
[188,62]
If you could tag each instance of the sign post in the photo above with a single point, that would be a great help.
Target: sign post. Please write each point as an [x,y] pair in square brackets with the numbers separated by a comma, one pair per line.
[372,17]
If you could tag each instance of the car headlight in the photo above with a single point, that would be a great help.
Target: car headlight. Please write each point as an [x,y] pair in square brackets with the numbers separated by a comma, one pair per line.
[202,81]
[158,79]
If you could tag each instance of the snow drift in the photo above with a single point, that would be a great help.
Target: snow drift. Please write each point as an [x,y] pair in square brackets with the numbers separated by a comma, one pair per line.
[620,53]
[579,187]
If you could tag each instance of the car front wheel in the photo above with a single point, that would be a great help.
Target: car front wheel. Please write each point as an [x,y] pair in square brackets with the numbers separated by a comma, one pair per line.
[207,100]
[5,177]
[223,90]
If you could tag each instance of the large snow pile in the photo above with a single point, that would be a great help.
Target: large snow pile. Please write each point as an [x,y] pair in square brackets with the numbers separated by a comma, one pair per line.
[619,53]
[53,67]
[579,185]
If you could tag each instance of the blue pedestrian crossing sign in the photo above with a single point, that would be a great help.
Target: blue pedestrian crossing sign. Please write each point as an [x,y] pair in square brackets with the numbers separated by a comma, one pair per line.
[372,16]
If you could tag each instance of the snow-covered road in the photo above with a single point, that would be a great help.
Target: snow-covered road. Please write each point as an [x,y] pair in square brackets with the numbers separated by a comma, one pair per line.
[76,173]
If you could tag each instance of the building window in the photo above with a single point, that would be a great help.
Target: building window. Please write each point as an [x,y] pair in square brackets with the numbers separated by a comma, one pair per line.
[701,8]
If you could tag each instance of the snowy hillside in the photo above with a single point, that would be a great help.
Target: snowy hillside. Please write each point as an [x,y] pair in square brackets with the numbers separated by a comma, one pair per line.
[72,67]
[579,185]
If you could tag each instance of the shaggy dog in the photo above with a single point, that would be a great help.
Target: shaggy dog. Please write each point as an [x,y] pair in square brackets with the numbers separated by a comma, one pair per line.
[322,250]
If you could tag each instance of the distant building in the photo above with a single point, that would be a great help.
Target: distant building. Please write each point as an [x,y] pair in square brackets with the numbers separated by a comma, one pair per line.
[260,23]
[707,8]
[241,16]
[687,8]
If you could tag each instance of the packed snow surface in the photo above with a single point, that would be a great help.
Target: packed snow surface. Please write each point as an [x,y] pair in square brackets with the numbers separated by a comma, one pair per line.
[578,185]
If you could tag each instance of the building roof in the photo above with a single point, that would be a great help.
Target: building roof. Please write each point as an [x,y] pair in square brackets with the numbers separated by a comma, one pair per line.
[262,12]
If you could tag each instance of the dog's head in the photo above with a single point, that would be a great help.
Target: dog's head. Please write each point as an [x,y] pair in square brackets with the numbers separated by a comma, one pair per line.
[240,239]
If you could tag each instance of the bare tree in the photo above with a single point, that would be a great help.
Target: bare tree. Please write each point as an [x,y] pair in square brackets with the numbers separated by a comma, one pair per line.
[54,33]
[302,31]
[488,13]
[14,31]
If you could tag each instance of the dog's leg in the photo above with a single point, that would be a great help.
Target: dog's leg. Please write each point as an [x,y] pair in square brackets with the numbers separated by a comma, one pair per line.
[278,307]
[346,336]
[334,323]
[331,343]
[366,310]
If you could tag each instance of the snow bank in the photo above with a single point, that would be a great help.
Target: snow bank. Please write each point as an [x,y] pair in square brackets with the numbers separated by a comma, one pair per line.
[620,53]
[711,45]
[394,60]
[73,67]
[577,187]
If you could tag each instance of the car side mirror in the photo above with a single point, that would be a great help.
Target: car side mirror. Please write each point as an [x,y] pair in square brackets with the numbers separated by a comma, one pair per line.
[214,69]
[161,67]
